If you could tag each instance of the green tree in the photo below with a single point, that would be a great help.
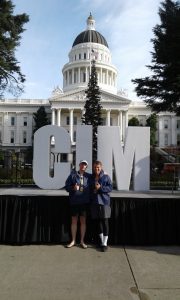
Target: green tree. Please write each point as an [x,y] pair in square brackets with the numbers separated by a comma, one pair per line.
[11,27]
[40,118]
[133,122]
[161,90]
[92,115]
[152,123]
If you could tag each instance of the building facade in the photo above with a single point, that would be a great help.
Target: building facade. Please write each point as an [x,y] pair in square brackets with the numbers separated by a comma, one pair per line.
[66,106]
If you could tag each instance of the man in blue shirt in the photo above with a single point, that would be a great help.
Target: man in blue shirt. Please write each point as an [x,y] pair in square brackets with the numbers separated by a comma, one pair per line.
[78,186]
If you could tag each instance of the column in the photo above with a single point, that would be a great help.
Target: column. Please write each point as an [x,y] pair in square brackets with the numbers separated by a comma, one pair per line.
[160,131]
[101,79]
[106,76]
[108,118]
[71,124]
[126,119]
[87,74]
[82,112]
[79,74]
[17,131]
[68,77]
[120,123]
[53,117]
[125,124]
[59,117]
[73,76]
[173,131]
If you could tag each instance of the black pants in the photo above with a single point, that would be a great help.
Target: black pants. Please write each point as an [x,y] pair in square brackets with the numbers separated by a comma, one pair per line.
[102,226]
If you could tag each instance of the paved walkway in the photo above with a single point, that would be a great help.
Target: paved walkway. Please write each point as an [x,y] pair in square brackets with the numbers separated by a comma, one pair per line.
[52,272]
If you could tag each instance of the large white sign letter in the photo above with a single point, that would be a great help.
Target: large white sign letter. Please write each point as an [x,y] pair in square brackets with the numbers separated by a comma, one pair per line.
[42,156]
[135,155]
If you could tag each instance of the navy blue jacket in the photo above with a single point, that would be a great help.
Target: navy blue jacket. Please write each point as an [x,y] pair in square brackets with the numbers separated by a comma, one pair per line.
[78,197]
[102,195]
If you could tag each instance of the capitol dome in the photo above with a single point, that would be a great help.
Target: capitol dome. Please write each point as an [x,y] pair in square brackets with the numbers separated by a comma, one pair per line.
[87,46]
[90,36]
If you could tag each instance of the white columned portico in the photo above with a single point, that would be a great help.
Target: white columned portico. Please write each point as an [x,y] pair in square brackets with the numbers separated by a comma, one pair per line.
[59,117]
[53,116]
[71,124]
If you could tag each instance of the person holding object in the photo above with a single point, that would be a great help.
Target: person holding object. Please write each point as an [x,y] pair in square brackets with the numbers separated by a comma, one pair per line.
[100,203]
[78,186]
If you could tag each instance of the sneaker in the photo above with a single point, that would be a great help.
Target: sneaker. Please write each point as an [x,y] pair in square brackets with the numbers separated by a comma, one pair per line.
[104,248]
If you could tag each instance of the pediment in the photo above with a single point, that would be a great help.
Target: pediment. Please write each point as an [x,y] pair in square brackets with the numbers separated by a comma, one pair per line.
[79,95]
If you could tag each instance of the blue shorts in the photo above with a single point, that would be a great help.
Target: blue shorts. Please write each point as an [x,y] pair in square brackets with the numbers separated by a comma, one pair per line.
[79,210]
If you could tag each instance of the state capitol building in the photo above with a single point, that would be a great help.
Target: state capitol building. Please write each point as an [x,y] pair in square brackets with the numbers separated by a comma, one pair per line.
[65,106]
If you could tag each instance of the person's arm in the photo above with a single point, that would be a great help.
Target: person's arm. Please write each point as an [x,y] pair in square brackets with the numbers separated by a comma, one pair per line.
[106,185]
[69,184]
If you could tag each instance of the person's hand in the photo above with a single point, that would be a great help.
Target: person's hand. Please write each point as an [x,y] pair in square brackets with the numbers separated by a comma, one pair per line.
[97,186]
[76,187]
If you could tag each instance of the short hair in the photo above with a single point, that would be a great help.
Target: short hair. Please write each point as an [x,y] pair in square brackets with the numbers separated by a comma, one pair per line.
[98,162]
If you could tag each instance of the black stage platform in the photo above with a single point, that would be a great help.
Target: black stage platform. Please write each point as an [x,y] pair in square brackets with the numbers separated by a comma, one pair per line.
[33,216]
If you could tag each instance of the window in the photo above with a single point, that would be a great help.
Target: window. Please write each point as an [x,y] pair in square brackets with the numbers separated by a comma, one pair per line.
[178,139]
[70,77]
[165,124]
[84,77]
[0,137]
[84,55]
[67,120]
[12,137]
[24,137]
[178,124]
[75,120]
[74,136]
[166,139]
[75,77]
[79,55]
[75,57]
[25,121]
[111,121]
[1,118]
[12,121]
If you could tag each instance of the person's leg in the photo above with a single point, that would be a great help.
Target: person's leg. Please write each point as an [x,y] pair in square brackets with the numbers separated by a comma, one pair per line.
[83,230]
[73,231]
[100,230]
[105,224]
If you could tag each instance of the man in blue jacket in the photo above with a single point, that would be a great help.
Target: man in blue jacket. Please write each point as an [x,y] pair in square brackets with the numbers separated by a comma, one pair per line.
[100,202]
[78,186]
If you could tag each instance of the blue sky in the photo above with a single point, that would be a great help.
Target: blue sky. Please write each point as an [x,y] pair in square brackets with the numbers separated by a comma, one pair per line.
[54,24]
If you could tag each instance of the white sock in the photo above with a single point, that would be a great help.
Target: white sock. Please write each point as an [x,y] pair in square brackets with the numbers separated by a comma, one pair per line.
[105,239]
[101,238]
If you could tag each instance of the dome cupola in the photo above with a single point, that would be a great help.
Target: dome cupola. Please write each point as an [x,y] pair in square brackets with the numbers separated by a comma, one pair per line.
[90,35]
